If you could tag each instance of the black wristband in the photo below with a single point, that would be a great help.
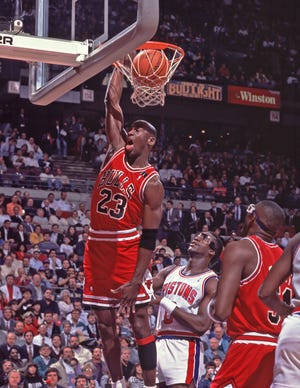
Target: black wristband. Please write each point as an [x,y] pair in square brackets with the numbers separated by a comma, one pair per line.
[148,239]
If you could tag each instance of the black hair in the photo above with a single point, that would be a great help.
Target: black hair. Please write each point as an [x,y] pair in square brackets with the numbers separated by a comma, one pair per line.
[145,125]
[50,370]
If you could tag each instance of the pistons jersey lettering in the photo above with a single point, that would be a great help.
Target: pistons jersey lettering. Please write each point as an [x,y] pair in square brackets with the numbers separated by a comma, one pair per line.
[187,292]
[184,290]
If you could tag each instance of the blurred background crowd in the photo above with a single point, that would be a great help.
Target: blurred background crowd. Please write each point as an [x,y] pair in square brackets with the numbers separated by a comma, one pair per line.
[209,182]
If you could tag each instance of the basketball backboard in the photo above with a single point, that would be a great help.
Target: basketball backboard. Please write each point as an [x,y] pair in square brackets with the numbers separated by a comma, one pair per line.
[64,56]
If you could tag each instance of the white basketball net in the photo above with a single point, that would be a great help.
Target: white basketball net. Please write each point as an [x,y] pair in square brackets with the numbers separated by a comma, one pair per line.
[146,91]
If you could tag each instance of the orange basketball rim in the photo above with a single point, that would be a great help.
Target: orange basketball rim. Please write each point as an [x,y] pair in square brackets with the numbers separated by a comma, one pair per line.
[149,69]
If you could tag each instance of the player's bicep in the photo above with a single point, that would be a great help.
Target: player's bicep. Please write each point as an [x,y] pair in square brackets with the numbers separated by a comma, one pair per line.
[154,195]
[210,292]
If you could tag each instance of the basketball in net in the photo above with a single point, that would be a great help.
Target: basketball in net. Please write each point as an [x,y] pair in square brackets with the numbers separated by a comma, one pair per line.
[150,70]
[150,67]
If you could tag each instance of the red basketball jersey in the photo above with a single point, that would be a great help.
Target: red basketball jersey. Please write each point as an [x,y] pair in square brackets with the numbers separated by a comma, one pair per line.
[250,314]
[117,199]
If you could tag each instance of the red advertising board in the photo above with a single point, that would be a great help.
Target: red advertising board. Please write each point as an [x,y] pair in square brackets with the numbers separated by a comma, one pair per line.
[262,98]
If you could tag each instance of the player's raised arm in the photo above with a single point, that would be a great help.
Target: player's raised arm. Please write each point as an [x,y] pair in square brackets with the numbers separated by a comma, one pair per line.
[114,119]
[280,271]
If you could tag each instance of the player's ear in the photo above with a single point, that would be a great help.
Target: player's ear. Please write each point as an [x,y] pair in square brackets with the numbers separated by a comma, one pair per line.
[151,140]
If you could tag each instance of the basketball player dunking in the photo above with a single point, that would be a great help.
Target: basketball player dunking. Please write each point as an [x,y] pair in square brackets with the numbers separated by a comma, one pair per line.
[127,194]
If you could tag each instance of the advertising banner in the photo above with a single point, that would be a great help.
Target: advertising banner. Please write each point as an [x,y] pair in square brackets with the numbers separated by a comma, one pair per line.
[262,98]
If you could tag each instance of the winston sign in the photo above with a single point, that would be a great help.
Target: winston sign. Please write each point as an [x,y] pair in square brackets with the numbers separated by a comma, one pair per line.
[262,98]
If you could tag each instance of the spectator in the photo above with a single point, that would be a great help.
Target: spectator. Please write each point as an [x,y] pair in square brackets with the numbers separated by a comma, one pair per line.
[14,356]
[127,366]
[7,322]
[64,368]
[61,182]
[29,326]
[6,231]
[14,378]
[14,203]
[52,327]
[37,287]
[59,220]
[80,246]
[65,304]
[21,236]
[55,236]
[5,347]
[47,245]
[42,338]
[92,329]
[44,360]
[66,247]
[207,378]
[63,203]
[56,346]
[83,355]
[32,377]
[35,262]
[37,236]
[6,367]
[19,332]
[9,290]
[285,239]
[48,304]
[40,218]
[55,262]
[66,333]
[47,273]
[29,350]
[25,303]
[213,350]
[89,372]
[77,327]
[99,365]
[52,378]
[28,225]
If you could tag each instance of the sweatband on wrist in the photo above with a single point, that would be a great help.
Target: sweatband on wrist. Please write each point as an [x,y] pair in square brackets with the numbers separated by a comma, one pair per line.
[148,239]
[209,313]
[168,305]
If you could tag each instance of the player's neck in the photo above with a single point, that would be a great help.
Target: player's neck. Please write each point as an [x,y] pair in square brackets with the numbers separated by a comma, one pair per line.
[139,162]
[196,268]
[263,236]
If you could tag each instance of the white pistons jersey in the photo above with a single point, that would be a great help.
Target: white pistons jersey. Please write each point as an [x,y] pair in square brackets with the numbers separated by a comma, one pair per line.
[296,277]
[187,292]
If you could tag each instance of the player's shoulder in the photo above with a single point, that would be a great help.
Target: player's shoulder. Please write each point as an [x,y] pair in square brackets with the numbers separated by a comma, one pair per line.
[155,186]
[239,250]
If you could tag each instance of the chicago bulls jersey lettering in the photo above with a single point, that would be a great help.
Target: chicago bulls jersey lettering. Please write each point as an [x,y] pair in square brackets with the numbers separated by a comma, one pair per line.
[120,195]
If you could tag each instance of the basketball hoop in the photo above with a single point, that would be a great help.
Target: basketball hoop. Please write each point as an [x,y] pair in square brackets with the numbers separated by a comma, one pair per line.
[149,69]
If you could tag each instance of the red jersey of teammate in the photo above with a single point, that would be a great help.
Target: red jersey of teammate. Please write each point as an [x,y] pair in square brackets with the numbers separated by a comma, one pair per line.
[249,313]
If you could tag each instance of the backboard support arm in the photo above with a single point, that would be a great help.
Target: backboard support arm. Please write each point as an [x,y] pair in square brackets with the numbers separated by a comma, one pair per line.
[102,57]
